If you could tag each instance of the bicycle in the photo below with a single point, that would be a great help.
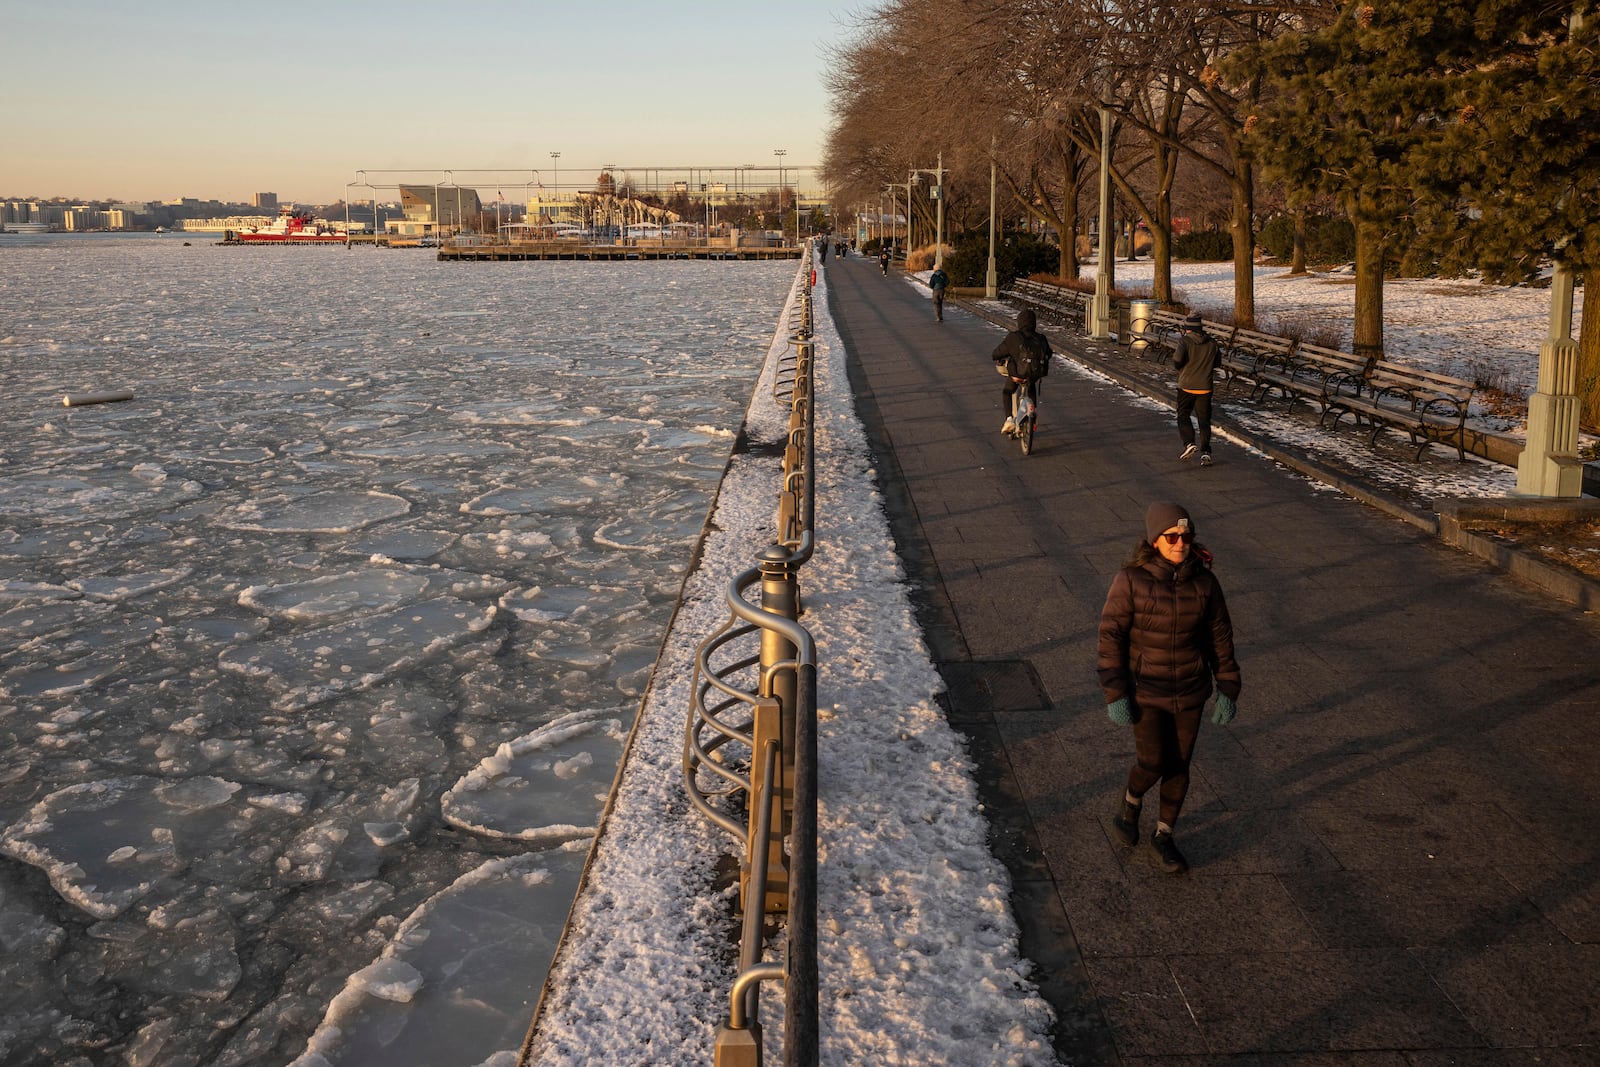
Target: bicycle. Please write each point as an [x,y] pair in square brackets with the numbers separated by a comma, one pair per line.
[1025,413]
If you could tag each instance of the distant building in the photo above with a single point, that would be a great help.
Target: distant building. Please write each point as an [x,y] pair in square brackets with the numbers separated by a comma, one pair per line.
[267,202]
[425,208]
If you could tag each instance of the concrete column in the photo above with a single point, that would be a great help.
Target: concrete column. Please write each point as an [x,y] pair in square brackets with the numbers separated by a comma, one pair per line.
[1550,466]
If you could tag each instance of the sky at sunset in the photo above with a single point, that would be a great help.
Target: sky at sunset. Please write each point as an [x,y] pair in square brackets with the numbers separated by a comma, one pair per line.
[219,101]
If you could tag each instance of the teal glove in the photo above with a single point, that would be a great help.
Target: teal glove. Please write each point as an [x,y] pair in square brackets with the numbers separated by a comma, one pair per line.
[1120,712]
[1225,710]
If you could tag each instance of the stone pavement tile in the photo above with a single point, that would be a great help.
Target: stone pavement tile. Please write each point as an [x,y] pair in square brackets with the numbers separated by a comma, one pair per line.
[1149,913]
[1455,835]
[1012,837]
[1274,1059]
[1144,1006]
[1279,779]
[1568,895]
[1080,1033]
[1452,907]
[1335,724]
[1543,995]
[1318,1001]
[1503,1057]
[1080,850]
[1228,843]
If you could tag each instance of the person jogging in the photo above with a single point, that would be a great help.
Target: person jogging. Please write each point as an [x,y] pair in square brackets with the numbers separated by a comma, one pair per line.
[1196,361]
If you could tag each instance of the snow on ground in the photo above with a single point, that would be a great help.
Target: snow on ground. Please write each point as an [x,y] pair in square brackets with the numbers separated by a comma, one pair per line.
[919,960]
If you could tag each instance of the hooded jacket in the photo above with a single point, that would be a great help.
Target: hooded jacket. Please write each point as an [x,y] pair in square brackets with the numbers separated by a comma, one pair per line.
[1165,635]
[1196,360]
[1025,351]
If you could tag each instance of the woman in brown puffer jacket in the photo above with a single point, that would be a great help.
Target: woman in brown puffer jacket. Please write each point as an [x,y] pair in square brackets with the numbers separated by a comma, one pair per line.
[1165,636]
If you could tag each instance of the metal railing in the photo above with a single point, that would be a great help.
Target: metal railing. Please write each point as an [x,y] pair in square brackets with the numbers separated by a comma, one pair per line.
[749,754]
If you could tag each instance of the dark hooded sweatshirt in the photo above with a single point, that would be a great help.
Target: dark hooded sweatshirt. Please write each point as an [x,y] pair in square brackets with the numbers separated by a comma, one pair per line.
[1025,351]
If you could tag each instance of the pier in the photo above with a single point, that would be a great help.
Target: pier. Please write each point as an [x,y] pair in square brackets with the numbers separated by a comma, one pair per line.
[514,250]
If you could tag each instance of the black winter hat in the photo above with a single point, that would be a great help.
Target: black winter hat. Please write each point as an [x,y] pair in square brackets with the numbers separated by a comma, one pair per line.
[1163,516]
[1193,319]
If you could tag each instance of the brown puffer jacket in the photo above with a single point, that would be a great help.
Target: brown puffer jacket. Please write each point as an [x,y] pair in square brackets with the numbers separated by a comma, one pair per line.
[1165,635]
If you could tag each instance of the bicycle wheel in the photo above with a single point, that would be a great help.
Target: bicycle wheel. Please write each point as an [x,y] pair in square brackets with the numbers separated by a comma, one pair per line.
[1025,435]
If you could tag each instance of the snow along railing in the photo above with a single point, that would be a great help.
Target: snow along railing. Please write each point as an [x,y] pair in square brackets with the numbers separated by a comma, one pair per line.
[765,703]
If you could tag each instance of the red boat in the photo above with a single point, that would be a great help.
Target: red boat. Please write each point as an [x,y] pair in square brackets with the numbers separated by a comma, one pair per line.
[292,226]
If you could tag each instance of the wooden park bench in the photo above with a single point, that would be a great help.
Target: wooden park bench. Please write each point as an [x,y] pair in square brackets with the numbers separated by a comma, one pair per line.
[1262,360]
[1430,407]
[1313,373]
[1060,300]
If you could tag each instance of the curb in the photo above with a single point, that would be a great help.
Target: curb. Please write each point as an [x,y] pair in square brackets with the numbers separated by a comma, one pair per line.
[1560,583]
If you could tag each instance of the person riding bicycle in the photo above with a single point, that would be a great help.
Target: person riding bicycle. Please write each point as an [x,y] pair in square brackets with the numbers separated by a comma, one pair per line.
[883,260]
[938,281]
[1023,356]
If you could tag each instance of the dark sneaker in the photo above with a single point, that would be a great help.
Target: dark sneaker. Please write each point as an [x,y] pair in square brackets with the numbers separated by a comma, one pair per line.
[1125,824]
[1188,452]
[1205,459]
[1167,853]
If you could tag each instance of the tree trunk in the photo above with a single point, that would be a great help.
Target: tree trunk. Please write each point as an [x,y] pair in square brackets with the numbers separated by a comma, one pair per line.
[1071,164]
[1161,233]
[1297,261]
[1589,358]
[1368,342]
[1241,226]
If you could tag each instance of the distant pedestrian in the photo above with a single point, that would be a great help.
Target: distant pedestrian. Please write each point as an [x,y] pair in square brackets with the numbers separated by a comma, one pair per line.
[938,281]
[1196,361]
[1023,356]
[1165,638]
[883,260]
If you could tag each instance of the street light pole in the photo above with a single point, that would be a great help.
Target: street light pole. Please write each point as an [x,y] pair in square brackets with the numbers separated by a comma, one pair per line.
[991,280]
[782,233]
[555,178]
[1100,325]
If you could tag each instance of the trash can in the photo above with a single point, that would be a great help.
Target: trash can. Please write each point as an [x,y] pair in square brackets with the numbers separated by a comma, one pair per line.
[1140,313]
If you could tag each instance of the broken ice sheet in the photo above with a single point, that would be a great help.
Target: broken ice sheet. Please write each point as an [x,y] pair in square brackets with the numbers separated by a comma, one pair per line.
[104,844]
[335,595]
[545,785]
[307,668]
[317,513]
[458,981]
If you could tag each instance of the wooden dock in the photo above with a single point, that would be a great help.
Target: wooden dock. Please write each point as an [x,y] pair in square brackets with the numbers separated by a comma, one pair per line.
[644,249]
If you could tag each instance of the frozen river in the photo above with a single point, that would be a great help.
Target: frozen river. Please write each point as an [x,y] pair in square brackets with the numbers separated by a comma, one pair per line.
[317,656]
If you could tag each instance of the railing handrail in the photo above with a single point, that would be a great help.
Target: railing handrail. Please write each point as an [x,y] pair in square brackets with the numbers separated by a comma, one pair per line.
[776,722]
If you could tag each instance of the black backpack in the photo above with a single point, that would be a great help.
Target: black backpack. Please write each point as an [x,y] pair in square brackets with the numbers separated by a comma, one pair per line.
[1033,361]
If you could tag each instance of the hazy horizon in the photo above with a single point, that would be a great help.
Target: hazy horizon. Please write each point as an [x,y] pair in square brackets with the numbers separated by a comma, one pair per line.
[195,97]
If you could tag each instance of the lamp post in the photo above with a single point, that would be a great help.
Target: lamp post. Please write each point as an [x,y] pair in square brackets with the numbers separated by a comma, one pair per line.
[938,194]
[780,153]
[1100,324]
[991,280]
[555,179]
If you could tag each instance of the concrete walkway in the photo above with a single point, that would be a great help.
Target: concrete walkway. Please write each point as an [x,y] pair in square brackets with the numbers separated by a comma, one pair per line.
[1393,847]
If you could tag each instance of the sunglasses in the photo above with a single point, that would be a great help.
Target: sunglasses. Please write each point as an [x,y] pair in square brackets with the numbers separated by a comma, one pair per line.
[1182,537]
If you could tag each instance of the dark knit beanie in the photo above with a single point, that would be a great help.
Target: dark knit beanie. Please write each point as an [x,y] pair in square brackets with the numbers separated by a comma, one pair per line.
[1163,516]
[1194,320]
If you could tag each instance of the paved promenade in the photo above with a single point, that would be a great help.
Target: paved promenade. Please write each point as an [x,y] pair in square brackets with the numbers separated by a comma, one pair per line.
[1395,858]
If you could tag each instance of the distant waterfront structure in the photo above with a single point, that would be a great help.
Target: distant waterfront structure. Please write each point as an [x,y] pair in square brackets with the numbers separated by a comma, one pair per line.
[266,203]
[427,209]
